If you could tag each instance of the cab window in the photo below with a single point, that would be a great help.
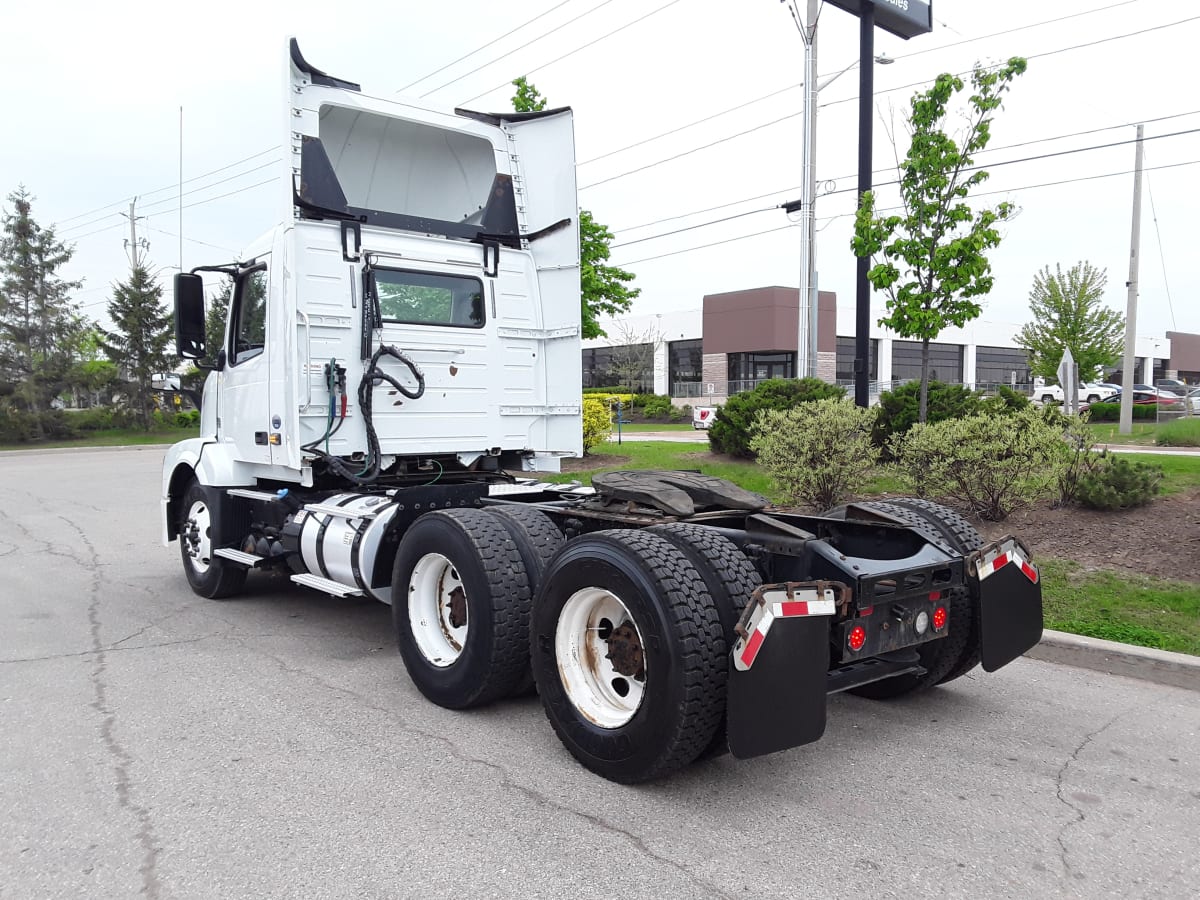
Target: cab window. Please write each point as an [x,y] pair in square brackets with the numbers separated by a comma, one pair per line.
[423,298]
[249,317]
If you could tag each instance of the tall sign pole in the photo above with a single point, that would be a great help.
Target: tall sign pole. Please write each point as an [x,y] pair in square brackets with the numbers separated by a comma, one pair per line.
[806,337]
[905,19]
[1127,377]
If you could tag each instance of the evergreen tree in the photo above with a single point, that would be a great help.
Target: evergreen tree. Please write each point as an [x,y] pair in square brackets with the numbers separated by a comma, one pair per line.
[36,317]
[214,320]
[605,291]
[138,344]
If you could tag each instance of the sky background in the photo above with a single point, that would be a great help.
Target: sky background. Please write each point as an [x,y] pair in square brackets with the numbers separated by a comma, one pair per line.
[92,94]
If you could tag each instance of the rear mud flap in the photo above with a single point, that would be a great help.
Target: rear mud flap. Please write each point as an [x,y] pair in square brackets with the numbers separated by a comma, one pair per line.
[778,668]
[1006,589]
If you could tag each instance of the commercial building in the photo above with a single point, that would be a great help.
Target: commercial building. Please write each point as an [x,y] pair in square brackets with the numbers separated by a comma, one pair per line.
[740,338]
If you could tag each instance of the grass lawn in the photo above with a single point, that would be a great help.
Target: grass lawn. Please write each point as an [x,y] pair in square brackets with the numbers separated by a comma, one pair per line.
[655,426]
[1180,433]
[1109,433]
[114,437]
[1131,609]
[1181,473]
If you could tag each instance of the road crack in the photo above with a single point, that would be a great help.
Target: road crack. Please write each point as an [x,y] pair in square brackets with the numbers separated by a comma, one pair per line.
[123,759]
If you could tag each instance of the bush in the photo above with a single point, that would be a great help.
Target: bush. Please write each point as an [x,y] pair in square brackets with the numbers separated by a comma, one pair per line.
[1006,401]
[989,464]
[678,414]
[597,423]
[900,408]
[1079,456]
[1119,484]
[817,452]
[100,418]
[20,427]
[1179,433]
[730,431]
[187,419]
[1111,412]
[657,407]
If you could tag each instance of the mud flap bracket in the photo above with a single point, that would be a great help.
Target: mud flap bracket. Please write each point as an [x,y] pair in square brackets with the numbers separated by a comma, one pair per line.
[1006,591]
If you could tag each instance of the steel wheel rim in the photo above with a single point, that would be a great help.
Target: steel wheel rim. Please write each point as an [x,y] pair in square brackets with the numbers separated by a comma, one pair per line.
[437,610]
[583,643]
[197,536]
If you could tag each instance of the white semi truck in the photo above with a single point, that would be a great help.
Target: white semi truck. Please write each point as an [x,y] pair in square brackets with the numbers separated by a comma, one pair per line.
[402,352]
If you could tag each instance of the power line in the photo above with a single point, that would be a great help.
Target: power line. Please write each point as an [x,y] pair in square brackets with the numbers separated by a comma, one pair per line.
[791,87]
[190,240]
[829,219]
[577,49]
[655,237]
[169,187]
[483,47]
[1161,254]
[787,190]
[793,115]
[514,50]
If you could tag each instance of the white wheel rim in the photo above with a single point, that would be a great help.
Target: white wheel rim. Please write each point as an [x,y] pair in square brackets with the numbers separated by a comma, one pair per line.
[602,694]
[437,601]
[197,536]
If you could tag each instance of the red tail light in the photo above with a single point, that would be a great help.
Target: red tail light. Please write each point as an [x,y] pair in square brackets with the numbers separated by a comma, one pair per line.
[939,618]
[856,638]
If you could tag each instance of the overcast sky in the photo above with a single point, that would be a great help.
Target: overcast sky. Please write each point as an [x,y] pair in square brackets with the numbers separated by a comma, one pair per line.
[92,95]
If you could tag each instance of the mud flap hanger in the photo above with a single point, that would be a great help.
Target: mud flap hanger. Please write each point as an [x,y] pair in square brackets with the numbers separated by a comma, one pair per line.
[1006,592]
[778,667]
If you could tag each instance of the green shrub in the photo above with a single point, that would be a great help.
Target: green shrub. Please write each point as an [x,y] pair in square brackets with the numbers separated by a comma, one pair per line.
[187,419]
[730,431]
[899,409]
[678,414]
[988,464]
[1079,456]
[1179,433]
[20,427]
[99,418]
[817,452]
[1006,400]
[639,400]
[1111,412]
[597,423]
[657,407]
[1119,484]
[604,390]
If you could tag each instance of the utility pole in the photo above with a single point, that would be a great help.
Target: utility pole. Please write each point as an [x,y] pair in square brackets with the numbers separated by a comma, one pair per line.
[131,245]
[866,101]
[1127,378]
[806,338]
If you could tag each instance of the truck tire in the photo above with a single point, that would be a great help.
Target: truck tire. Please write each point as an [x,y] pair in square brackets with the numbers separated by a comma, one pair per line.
[629,655]
[199,534]
[730,578]
[940,657]
[965,538]
[537,539]
[460,606]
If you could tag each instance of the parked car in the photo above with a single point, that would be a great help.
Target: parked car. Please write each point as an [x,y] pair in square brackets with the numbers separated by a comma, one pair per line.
[1053,393]
[1157,391]
[703,416]
[1174,385]
[1144,398]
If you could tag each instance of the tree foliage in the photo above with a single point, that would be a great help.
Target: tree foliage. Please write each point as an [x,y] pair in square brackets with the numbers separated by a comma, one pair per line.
[140,337]
[931,259]
[214,320]
[1067,310]
[38,323]
[605,290]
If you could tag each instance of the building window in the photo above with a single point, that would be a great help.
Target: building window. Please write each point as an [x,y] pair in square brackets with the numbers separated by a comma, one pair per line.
[846,355]
[945,361]
[629,366]
[1001,365]
[685,364]
[747,369]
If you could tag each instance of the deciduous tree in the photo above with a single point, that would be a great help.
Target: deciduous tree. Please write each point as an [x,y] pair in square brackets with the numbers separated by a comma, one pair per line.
[605,289]
[931,259]
[1068,310]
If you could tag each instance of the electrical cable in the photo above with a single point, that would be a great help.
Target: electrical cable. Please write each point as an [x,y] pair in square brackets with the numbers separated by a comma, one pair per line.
[514,50]
[576,50]
[1161,254]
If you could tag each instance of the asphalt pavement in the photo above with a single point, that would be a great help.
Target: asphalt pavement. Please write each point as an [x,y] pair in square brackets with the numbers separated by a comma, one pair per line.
[161,745]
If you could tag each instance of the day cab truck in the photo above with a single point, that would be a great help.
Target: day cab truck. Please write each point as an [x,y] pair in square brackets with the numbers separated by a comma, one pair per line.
[402,357]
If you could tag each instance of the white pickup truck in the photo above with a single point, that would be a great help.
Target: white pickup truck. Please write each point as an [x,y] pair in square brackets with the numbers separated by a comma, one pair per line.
[1053,393]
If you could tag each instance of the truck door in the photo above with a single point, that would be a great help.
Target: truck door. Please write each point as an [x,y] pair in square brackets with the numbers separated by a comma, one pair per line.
[244,416]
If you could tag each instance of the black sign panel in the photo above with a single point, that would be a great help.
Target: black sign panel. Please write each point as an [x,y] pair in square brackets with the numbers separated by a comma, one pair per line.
[903,18]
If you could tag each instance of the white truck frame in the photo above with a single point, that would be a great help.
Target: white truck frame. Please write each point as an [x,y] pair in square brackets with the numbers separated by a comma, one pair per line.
[404,349]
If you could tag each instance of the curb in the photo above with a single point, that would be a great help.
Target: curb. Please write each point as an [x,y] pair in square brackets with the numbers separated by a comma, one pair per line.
[123,448]
[1159,666]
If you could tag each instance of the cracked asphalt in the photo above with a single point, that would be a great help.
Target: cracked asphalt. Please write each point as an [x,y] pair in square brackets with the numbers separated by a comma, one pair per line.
[156,744]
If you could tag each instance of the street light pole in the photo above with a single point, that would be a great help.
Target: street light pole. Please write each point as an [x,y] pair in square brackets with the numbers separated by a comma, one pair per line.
[866,100]
[806,342]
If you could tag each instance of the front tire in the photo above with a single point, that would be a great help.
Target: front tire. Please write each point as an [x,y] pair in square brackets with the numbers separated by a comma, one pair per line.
[200,533]
[460,606]
[629,655]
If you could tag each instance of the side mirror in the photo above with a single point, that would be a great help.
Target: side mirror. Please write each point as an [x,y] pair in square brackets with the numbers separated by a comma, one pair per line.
[189,316]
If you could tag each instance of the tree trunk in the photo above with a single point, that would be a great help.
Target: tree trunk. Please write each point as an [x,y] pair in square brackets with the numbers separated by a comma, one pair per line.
[924,408]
